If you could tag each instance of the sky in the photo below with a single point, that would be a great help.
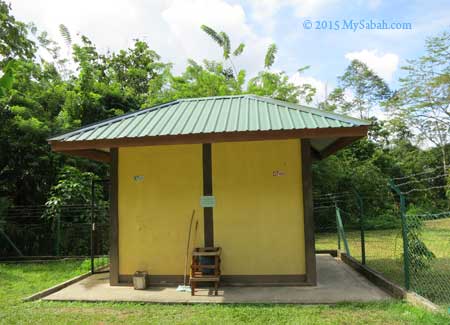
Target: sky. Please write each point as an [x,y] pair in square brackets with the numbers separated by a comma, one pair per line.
[172,29]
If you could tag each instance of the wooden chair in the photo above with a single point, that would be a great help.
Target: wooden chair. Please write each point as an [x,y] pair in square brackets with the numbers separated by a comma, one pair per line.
[201,272]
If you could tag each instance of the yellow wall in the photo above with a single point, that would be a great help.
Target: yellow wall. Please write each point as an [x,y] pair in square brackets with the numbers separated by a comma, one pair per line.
[258,218]
[154,213]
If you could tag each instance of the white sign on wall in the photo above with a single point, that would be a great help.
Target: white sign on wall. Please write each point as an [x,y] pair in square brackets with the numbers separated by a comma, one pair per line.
[277,173]
[208,201]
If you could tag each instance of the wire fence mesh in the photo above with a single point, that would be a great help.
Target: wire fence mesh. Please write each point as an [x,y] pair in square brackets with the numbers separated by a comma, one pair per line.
[429,257]
[380,245]
[75,232]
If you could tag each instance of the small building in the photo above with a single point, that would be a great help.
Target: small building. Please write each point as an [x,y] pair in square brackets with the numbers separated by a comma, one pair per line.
[243,163]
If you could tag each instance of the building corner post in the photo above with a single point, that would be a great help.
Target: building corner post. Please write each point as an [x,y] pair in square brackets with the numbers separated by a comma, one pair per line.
[114,218]
[306,172]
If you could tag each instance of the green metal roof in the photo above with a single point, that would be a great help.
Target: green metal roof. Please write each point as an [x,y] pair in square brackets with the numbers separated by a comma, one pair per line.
[211,115]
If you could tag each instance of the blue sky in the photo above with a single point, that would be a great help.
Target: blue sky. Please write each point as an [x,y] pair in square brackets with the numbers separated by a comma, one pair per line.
[325,50]
[171,27]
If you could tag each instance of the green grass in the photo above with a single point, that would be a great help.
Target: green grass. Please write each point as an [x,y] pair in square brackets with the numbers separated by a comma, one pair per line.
[20,280]
[384,249]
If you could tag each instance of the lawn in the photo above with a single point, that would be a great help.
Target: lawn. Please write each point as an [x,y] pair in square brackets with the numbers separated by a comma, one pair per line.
[20,280]
[384,251]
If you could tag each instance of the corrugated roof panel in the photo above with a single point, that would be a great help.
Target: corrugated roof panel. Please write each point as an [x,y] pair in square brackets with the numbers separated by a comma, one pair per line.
[309,121]
[201,117]
[222,118]
[109,129]
[165,119]
[95,132]
[263,116]
[333,123]
[253,117]
[295,116]
[142,121]
[118,131]
[134,123]
[194,117]
[187,111]
[274,117]
[320,121]
[86,135]
[232,122]
[286,119]
[174,119]
[151,124]
[209,115]
[210,124]
[242,118]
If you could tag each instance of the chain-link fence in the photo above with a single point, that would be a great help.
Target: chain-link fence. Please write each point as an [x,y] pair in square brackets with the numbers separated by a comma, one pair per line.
[429,255]
[74,232]
[409,248]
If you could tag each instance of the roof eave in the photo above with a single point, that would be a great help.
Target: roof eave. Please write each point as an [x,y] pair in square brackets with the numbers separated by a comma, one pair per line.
[343,132]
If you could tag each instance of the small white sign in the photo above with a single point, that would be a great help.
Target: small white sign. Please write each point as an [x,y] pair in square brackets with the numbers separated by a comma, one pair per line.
[277,173]
[138,178]
[208,201]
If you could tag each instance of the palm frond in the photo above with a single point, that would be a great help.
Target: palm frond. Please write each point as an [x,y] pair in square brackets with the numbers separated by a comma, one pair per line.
[270,56]
[64,31]
[213,34]
[194,64]
[303,69]
[225,45]
[238,51]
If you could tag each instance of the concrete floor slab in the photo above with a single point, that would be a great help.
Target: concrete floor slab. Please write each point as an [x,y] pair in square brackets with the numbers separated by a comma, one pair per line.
[337,282]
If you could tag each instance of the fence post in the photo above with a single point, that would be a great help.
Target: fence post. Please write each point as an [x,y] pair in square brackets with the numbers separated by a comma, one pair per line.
[10,241]
[58,233]
[404,233]
[92,224]
[361,226]
[341,230]
[337,230]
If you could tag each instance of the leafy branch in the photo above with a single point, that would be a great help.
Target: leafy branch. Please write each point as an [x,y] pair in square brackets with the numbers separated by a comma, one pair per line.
[223,40]
[269,59]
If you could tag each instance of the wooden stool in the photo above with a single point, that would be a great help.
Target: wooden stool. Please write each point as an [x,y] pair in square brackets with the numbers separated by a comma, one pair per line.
[205,272]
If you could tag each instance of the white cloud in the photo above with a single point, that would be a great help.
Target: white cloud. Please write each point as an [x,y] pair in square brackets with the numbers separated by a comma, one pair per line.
[171,27]
[374,4]
[309,8]
[264,10]
[322,88]
[185,28]
[383,64]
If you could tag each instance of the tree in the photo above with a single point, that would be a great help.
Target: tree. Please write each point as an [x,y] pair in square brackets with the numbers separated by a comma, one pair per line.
[277,84]
[367,90]
[7,79]
[424,97]
[111,84]
[14,42]
[223,40]
[208,79]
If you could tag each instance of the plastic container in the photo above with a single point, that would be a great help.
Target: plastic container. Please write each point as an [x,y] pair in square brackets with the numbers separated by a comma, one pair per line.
[140,280]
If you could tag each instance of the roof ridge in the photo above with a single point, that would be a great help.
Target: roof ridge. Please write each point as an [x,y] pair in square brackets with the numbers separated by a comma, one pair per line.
[211,97]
